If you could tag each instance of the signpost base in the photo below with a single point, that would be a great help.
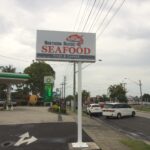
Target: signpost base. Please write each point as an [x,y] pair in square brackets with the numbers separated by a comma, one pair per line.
[79,145]
[83,146]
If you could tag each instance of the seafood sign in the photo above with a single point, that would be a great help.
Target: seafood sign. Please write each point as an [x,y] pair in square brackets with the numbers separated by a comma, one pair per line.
[65,46]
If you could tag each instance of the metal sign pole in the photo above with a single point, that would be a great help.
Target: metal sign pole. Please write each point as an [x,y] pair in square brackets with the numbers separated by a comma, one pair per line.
[79,140]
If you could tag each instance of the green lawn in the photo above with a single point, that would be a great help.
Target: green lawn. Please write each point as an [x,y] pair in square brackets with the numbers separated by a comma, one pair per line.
[143,108]
[135,144]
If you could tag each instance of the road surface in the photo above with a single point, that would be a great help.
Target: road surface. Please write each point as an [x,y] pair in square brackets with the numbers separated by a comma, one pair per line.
[138,127]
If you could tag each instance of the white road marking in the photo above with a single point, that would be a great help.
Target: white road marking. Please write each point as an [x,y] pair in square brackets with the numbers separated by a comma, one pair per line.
[25,138]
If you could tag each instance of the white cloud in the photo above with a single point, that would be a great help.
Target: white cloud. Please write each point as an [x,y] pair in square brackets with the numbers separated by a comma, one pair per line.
[123,47]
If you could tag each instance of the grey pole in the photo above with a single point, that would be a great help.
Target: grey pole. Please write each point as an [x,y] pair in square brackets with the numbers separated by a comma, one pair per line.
[140,85]
[64,87]
[74,85]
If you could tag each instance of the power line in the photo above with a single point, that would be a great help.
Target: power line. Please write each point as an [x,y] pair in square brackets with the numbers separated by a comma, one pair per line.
[7,57]
[102,31]
[95,18]
[89,16]
[106,15]
[78,15]
[96,8]
[84,14]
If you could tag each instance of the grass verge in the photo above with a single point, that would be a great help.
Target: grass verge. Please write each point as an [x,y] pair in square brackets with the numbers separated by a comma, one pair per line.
[135,144]
[143,108]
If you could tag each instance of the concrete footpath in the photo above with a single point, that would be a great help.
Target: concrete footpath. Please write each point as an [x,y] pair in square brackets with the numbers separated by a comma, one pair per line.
[104,136]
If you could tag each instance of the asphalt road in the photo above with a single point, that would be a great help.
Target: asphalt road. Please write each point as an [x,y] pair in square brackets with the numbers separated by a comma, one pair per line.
[137,127]
[39,136]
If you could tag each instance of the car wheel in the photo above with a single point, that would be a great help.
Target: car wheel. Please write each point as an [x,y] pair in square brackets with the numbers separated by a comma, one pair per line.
[119,116]
[107,117]
[133,114]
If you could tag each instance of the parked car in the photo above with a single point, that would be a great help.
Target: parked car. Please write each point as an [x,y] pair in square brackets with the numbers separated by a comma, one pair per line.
[94,109]
[118,110]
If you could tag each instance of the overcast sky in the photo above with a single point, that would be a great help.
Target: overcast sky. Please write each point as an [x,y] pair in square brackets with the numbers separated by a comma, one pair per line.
[124,46]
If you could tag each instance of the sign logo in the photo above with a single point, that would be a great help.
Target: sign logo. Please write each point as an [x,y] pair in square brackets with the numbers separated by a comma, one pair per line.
[75,38]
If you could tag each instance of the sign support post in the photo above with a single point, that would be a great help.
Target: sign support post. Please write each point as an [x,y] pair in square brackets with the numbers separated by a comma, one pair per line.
[79,140]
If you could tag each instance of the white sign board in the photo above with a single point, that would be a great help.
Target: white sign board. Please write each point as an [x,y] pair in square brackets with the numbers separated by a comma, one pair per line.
[65,46]
[48,79]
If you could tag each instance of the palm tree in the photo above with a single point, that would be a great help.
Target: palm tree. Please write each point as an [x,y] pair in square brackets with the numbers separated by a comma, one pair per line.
[9,68]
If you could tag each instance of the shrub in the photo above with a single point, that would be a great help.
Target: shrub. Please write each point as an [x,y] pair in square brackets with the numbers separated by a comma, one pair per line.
[55,108]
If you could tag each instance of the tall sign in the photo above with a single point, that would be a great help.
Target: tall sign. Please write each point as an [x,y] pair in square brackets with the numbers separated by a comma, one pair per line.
[68,46]
[65,46]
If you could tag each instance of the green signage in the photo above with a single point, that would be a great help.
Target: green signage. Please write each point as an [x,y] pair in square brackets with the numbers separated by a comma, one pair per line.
[48,92]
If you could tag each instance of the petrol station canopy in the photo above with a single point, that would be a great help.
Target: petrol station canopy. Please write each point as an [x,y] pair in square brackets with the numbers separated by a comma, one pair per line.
[6,77]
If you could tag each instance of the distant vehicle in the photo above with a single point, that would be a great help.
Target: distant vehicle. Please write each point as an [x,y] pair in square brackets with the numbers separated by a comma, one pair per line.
[94,109]
[118,110]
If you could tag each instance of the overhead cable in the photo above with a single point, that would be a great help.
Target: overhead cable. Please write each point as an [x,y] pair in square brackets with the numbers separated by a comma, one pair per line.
[101,24]
[102,31]
[83,15]
[78,15]
[89,16]
[13,58]
[104,4]
[96,14]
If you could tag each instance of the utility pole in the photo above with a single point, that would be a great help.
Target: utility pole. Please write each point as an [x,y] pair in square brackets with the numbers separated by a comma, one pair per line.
[64,87]
[124,85]
[62,90]
[74,85]
[140,85]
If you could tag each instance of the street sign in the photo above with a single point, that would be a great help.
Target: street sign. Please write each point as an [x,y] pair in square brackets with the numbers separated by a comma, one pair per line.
[48,79]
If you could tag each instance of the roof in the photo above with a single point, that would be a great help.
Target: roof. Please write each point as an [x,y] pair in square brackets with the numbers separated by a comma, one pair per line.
[6,77]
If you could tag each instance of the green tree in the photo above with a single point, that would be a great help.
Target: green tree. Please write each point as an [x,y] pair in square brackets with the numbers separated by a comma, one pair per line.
[117,92]
[37,71]
[85,95]
[9,69]
[105,97]
[146,97]
[69,98]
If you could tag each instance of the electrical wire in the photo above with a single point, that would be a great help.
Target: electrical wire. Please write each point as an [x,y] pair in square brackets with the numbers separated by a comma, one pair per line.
[89,16]
[99,13]
[7,57]
[106,15]
[84,14]
[102,31]
[77,17]
[95,18]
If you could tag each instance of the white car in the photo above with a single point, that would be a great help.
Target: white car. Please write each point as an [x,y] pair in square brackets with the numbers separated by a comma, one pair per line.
[118,110]
[94,109]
